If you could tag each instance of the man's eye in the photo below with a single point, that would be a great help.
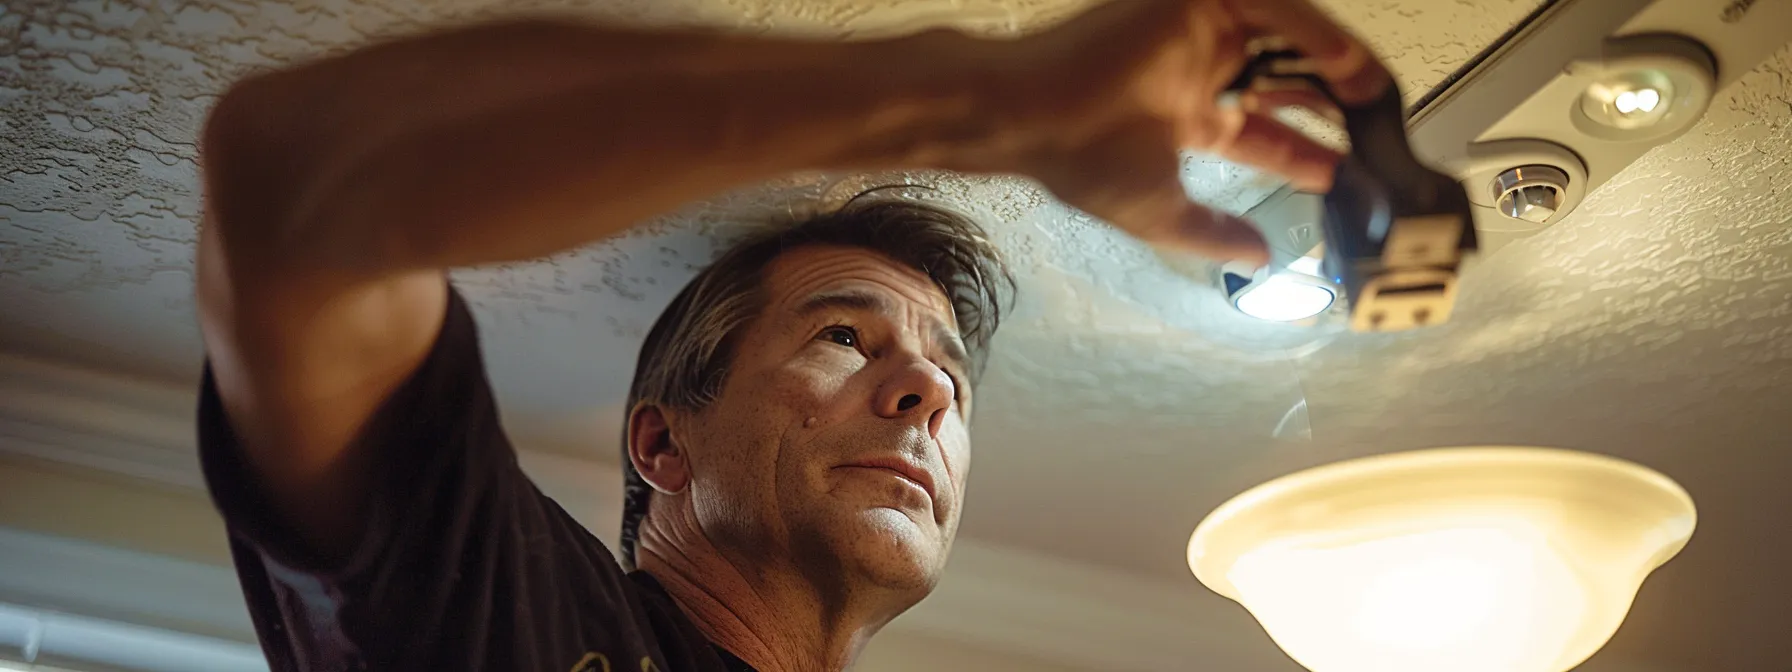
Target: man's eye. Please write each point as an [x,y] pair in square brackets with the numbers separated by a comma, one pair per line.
[840,335]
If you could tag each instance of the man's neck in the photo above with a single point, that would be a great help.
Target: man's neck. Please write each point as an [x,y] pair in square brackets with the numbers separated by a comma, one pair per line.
[773,620]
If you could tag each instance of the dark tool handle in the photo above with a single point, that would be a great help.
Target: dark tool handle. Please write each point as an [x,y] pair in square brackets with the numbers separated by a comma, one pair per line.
[1391,280]
[1381,167]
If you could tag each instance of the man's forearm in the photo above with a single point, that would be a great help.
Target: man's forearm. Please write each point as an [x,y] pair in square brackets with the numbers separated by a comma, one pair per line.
[518,140]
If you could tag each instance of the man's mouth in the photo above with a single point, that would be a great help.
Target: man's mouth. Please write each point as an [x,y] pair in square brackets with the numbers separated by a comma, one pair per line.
[903,469]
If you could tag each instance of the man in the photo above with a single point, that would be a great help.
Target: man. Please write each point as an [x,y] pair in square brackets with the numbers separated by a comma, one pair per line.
[796,437]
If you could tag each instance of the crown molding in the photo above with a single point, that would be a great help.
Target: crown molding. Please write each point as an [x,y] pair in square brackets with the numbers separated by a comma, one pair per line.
[91,419]
[993,597]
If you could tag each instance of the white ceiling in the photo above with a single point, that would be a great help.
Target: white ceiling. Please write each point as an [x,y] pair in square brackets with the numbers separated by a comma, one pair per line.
[1125,399]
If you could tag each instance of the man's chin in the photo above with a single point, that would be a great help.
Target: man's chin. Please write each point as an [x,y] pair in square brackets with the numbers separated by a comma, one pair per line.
[886,547]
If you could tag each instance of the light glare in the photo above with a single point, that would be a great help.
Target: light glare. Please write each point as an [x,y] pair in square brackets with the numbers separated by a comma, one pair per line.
[1626,102]
[1641,100]
[1281,299]
[1476,599]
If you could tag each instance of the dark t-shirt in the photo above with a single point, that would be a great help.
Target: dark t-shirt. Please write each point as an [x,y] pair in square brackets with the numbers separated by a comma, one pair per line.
[464,564]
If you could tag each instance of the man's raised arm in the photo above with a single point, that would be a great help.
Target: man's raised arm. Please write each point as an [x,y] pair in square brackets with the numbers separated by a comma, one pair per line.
[338,191]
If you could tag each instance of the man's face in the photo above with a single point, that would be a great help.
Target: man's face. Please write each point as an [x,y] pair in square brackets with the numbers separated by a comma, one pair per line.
[840,438]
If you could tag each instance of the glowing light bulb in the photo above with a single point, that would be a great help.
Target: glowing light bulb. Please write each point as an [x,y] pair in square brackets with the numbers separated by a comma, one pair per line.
[1626,102]
[1469,560]
[1631,102]
[1283,299]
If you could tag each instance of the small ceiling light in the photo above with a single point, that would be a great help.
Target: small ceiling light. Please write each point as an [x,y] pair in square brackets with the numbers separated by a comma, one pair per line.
[1642,100]
[1280,298]
[1629,100]
[1293,294]
[1531,193]
[1646,87]
[1461,559]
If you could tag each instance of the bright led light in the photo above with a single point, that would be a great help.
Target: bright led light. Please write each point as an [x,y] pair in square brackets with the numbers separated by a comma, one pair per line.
[1630,102]
[1620,103]
[1469,560]
[1626,102]
[1282,299]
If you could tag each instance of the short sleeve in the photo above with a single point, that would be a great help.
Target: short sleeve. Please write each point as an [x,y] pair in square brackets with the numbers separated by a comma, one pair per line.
[461,559]
[436,444]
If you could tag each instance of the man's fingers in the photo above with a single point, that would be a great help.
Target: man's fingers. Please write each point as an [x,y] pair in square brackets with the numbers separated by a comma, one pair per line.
[1212,234]
[1165,218]
[1340,58]
[1262,142]
[1267,101]
[1157,210]
[1130,177]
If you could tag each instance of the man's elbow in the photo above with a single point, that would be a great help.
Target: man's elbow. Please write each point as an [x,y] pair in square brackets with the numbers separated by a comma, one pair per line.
[250,161]
[239,124]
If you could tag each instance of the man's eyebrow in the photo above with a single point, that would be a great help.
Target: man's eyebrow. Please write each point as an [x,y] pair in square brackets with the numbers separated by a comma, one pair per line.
[850,300]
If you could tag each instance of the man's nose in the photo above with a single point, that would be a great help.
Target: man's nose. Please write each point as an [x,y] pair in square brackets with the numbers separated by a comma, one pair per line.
[919,392]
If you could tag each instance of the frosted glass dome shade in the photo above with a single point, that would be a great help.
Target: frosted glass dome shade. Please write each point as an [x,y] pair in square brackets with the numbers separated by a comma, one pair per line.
[1461,559]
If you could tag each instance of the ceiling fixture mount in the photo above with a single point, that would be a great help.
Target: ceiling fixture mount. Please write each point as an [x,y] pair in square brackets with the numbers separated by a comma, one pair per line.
[1633,92]
[1522,186]
[1461,559]
[1584,87]
[1531,193]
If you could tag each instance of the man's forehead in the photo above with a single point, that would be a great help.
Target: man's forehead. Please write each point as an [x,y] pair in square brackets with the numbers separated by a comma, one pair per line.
[853,278]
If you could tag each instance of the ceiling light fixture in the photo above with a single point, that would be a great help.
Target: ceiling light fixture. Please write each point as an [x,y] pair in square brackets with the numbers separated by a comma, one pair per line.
[1281,298]
[1625,76]
[1293,288]
[1461,559]
[1625,103]
[1642,88]
[1531,193]
[1294,293]
[1642,100]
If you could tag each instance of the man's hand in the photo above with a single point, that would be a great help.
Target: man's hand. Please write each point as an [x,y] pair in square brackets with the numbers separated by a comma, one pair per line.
[1119,91]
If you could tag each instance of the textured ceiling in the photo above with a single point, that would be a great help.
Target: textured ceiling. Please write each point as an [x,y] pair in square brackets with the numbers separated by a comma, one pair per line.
[1125,399]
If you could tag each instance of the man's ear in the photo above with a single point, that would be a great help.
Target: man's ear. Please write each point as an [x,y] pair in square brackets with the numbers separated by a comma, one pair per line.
[654,453]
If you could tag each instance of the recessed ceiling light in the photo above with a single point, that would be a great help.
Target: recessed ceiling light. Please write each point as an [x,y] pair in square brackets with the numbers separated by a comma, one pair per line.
[1293,293]
[1280,298]
[1460,559]
[1627,100]
[1641,100]
[1643,88]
